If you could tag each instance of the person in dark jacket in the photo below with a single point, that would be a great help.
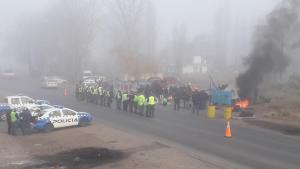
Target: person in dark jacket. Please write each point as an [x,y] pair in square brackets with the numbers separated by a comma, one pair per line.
[203,99]
[25,120]
[177,97]
[130,101]
[8,120]
[119,99]
[196,98]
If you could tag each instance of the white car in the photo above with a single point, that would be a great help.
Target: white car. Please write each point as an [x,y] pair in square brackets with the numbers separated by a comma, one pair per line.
[50,84]
[89,82]
[59,80]
[58,118]
[37,110]
[19,101]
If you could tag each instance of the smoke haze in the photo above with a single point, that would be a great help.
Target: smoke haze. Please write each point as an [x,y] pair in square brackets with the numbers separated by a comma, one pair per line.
[270,53]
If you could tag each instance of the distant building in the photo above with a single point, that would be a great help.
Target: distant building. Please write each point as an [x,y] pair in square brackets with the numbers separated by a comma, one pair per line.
[199,65]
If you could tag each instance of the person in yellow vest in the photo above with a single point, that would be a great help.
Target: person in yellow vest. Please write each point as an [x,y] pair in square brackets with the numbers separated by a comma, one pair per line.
[95,95]
[80,90]
[14,119]
[151,101]
[99,95]
[104,97]
[141,103]
[125,101]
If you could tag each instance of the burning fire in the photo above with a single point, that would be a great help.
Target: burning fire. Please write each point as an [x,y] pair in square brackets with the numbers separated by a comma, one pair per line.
[242,104]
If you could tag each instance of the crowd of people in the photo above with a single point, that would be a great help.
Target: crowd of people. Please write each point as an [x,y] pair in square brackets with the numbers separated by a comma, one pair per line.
[140,102]
[20,120]
[143,100]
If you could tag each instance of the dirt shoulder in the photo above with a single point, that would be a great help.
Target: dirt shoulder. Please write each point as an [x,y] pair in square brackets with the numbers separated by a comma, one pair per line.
[95,146]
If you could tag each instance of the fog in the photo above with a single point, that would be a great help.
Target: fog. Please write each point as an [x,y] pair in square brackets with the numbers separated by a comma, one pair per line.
[128,38]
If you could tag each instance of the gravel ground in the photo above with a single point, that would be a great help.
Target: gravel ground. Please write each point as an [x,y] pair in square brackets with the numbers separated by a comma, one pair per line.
[95,146]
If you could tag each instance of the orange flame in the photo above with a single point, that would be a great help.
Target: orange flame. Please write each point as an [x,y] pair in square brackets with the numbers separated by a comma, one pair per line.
[242,103]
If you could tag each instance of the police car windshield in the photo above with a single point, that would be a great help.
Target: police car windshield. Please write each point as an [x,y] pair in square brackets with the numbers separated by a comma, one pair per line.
[47,110]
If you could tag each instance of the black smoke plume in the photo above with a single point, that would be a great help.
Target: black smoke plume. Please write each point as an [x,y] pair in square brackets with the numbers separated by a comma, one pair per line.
[269,54]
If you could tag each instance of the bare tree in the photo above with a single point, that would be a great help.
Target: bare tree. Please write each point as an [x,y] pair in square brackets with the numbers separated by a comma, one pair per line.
[134,38]
[179,47]
[58,41]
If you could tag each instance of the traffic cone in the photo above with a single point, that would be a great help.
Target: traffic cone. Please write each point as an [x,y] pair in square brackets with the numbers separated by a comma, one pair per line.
[65,92]
[228,131]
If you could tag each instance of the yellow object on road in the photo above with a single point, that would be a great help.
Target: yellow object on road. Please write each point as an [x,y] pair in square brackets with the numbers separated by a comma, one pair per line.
[211,111]
[227,112]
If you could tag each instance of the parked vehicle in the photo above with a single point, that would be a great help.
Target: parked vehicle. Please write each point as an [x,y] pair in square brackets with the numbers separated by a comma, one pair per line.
[18,101]
[4,108]
[59,118]
[49,84]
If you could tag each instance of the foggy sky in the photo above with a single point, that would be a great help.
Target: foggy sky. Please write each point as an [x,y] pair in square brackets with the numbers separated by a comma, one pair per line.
[198,16]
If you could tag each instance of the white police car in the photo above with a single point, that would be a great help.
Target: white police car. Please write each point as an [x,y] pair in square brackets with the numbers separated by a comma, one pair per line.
[64,117]
[38,109]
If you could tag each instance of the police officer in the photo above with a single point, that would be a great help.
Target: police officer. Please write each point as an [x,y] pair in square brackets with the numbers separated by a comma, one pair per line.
[80,93]
[108,98]
[14,121]
[135,102]
[125,101]
[141,103]
[119,99]
[95,95]
[151,101]
[86,93]
[77,91]
[89,94]
[102,96]
[177,97]
[99,95]
[8,120]
[130,102]
[25,120]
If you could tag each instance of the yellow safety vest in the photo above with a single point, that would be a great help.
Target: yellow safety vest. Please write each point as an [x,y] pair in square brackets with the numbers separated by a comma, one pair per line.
[151,100]
[13,116]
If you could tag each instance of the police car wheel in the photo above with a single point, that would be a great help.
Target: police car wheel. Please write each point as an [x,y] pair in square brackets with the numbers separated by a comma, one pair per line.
[48,128]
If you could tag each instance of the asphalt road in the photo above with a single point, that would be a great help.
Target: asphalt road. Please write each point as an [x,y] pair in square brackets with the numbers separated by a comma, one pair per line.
[250,147]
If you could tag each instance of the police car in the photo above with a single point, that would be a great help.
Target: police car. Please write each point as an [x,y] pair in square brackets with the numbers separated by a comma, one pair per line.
[18,101]
[37,110]
[61,117]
